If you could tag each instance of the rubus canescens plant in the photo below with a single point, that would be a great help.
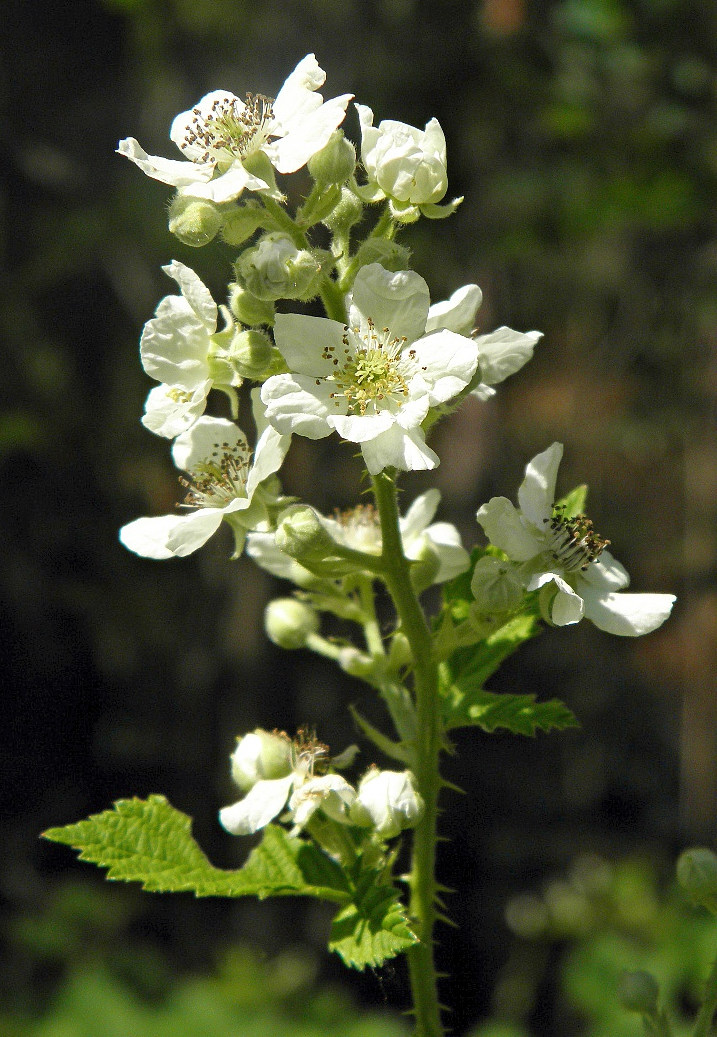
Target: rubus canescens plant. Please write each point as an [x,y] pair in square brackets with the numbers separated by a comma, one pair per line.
[379,369]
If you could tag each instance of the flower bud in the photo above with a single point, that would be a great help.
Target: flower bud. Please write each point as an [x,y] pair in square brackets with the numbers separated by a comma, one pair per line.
[347,211]
[496,585]
[259,756]
[240,223]
[389,254]
[387,801]
[250,353]
[300,535]
[359,664]
[289,622]
[335,162]
[408,164]
[638,992]
[697,874]
[248,309]
[195,221]
[276,269]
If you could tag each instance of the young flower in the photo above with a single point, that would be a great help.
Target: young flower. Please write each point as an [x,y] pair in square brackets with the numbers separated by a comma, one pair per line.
[402,162]
[180,348]
[375,380]
[296,780]
[387,801]
[501,352]
[359,528]
[227,141]
[222,484]
[563,555]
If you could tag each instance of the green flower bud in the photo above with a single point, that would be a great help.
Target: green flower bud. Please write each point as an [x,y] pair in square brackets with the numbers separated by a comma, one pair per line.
[276,269]
[359,664]
[240,223]
[347,211]
[336,162]
[195,221]
[496,586]
[697,874]
[250,353]
[389,254]
[289,622]
[248,309]
[638,992]
[300,535]
[260,756]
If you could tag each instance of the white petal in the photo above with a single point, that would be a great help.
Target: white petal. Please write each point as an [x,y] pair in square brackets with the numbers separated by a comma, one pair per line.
[198,444]
[448,362]
[260,806]
[452,556]
[420,514]
[183,124]
[457,313]
[175,172]
[607,573]
[308,135]
[228,186]
[566,607]
[297,404]
[504,528]
[504,352]
[297,96]
[330,792]
[627,614]
[195,292]
[398,301]
[398,449]
[360,428]
[168,536]
[269,456]
[537,490]
[308,344]
[171,410]
[175,344]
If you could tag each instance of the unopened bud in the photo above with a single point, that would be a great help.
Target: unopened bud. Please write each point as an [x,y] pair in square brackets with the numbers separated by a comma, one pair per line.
[389,254]
[638,992]
[240,223]
[388,802]
[276,269]
[336,161]
[260,756]
[250,353]
[248,309]
[288,623]
[697,874]
[300,535]
[496,585]
[195,221]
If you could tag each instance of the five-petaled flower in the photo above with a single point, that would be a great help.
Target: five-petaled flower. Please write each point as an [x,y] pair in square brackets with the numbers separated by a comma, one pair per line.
[561,555]
[227,141]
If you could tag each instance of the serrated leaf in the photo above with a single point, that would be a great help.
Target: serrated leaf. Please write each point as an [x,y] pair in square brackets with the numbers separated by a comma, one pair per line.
[373,928]
[471,667]
[520,714]
[148,841]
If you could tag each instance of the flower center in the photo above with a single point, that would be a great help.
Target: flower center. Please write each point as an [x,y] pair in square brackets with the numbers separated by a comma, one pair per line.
[361,528]
[572,540]
[230,129]
[219,479]
[374,368]
[308,754]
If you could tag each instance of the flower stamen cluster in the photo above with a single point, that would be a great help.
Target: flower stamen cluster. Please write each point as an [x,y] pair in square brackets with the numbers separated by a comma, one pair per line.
[228,130]
[573,542]
[218,479]
[376,368]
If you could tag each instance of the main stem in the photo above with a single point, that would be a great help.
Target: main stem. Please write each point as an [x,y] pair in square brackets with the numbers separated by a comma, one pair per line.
[424,985]
[703,1024]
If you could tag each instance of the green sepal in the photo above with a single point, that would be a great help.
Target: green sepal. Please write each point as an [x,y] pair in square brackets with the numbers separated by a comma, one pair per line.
[374,927]
[151,842]
[434,211]
[574,502]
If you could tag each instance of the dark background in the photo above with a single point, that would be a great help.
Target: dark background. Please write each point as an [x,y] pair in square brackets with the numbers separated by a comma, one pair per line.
[583,135]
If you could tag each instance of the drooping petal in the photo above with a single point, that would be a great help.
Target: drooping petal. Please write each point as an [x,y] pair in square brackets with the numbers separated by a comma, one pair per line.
[175,172]
[207,437]
[330,792]
[260,806]
[502,525]
[397,448]
[171,536]
[448,362]
[457,313]
[310,345]
[503,352]
[295,403]
[536,493]
[261,546]
[420,513]
[195,292]
[395,300]
[629,615]
[566,607]
[170,410]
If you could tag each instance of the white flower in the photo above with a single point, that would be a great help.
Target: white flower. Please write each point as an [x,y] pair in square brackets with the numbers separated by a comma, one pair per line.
[359,528]
[222,134]
[501,352]
[178,349]
[402,162]
[305,792]
[563,554]
[387,801]
[375,380]
[222,484]
[260,755]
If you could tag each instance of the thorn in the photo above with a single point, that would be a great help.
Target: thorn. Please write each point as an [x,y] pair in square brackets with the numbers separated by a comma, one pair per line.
[445,784]
[446,920]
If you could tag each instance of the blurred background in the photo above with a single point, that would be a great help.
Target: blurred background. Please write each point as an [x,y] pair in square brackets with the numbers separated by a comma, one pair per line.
[583,134]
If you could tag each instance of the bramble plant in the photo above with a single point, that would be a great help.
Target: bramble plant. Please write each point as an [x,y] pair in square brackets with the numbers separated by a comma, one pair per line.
[379,370]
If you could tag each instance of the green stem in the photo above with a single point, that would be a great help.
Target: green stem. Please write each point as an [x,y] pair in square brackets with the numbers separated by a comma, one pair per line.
[371,629]
[703,1025]
[424,985]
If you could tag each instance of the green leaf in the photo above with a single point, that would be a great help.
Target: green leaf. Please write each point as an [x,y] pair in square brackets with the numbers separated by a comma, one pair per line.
[471,667]
[520,714]
[374,927]
[148,841]
[574,502]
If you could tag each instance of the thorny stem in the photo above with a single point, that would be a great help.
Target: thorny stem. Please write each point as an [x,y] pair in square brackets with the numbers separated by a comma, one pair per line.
[424,985]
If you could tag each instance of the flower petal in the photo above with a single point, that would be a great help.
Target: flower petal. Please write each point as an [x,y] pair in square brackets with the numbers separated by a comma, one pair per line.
[170,410]
[175,344]
[566,607]
[447,361]
[503,352]
[295,403]
[395,300]
[419,514]
[228,186]
[503,526]
[170,536]
[310,345]
[195,292]
[399,449]
[260,806]
[627,614]
[537,490]
[204,439]
[175,172]
[360,428]
[452,556]
[298,94]
[457,313]
[606,573]
[307,135]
